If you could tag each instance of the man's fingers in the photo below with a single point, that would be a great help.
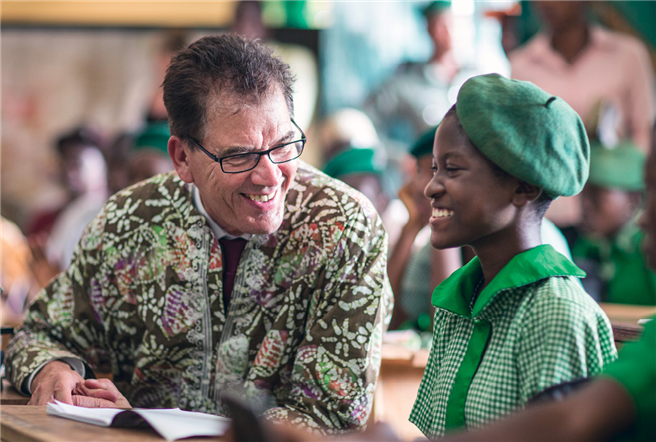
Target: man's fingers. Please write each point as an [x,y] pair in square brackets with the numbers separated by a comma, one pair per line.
[102,394]
[92,402]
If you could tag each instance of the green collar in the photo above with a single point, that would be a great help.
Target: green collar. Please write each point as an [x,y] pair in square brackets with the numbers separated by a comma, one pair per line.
[455,293]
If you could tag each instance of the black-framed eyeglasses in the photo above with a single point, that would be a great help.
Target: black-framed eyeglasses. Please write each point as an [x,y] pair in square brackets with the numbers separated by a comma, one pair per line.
[243,162]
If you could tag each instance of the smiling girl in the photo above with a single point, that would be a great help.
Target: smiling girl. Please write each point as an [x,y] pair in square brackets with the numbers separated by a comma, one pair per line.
[515,320]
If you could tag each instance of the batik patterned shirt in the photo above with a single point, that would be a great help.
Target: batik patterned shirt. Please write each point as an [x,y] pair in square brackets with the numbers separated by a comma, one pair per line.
[531,327]
[143,300]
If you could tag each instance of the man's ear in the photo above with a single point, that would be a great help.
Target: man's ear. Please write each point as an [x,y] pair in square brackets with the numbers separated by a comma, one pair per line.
[178,151]
[525,193]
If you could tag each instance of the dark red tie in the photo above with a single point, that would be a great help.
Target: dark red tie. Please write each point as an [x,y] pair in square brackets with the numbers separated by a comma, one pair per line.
[232,250]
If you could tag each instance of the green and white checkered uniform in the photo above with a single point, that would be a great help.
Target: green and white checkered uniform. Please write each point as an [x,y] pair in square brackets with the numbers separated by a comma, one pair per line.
[531,328]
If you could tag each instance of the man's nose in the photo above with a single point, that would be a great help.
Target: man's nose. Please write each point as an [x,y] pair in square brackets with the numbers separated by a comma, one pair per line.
[266,173]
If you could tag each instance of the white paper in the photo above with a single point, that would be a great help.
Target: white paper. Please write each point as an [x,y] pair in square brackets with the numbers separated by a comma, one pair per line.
[170,423]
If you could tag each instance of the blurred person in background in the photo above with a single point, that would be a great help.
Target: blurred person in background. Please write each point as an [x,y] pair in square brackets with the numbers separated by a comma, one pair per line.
[72,176]
[149,157]
[16,277]
[418,95]
[605,76]
[414,267]
[609,246]
[54,235]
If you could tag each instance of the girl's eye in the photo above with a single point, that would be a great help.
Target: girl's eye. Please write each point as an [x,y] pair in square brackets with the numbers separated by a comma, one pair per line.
[434,169]
[451,169]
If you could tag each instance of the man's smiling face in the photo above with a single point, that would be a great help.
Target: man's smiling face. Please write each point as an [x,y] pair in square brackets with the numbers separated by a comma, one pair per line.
[253,201]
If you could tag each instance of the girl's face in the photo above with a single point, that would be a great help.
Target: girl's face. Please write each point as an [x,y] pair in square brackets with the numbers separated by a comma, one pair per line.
[470,202]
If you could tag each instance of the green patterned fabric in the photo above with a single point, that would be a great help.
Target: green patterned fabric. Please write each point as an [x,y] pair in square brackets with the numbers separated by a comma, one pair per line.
[530,134]
[531,328]
[635,369]
[620,265]
[143,300]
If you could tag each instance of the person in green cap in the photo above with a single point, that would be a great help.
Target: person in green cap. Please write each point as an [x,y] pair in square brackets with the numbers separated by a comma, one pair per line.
[609,246]
[515,320]
[361,168]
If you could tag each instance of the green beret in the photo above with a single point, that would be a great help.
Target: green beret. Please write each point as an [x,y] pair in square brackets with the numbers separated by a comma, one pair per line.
[436,7]
[353,160]
[530,134]
[155,136]
[622,167]
[424,145]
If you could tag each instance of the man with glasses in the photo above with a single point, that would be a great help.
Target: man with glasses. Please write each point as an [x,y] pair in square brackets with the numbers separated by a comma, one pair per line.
[245,272]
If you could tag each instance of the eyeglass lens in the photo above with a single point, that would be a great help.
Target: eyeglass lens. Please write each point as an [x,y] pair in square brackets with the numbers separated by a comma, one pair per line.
[280,154]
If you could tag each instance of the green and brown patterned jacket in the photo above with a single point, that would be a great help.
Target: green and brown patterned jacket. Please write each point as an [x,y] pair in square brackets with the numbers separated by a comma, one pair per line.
[143,300]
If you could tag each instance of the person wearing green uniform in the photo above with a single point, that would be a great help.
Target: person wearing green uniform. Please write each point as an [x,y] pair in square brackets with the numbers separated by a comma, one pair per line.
[514,321]
[609,247]
[621,403]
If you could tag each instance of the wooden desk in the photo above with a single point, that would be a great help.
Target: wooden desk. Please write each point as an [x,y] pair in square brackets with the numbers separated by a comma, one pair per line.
[10,396]
[401,371]
[630,314]
[32,424]
[624,320]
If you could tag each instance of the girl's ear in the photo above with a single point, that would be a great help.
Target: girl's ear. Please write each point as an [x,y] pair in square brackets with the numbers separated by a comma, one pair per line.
[525,193]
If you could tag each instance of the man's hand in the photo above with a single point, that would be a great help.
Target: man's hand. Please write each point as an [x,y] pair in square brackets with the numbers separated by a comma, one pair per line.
[99,393]
[55,380]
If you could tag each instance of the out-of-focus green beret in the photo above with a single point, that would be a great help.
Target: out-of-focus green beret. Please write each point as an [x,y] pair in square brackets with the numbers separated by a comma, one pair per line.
[155,136]
[622,167]
[424,145]
[353,160]
[530,134]
[436,7]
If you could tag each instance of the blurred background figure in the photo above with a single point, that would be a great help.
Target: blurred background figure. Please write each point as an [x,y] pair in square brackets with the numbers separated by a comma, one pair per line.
[85,175]
[149,157]
[77,174]
[604,75]
[16,278]
[609,246]
[351,152]
[418,95]
[415,268]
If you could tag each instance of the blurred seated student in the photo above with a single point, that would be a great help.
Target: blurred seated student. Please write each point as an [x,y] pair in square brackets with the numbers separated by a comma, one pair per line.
[514,321]
[149,156]
[69,147]
[609,246]
[16,278]
[350,129]
[362,170]
[84,172]
[415,267]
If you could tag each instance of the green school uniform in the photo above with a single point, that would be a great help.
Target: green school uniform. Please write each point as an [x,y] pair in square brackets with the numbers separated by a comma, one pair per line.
[636,371]
[621,266]
[531,328]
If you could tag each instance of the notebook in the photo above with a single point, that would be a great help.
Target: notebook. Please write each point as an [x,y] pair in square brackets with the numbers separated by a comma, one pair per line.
[170,423]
